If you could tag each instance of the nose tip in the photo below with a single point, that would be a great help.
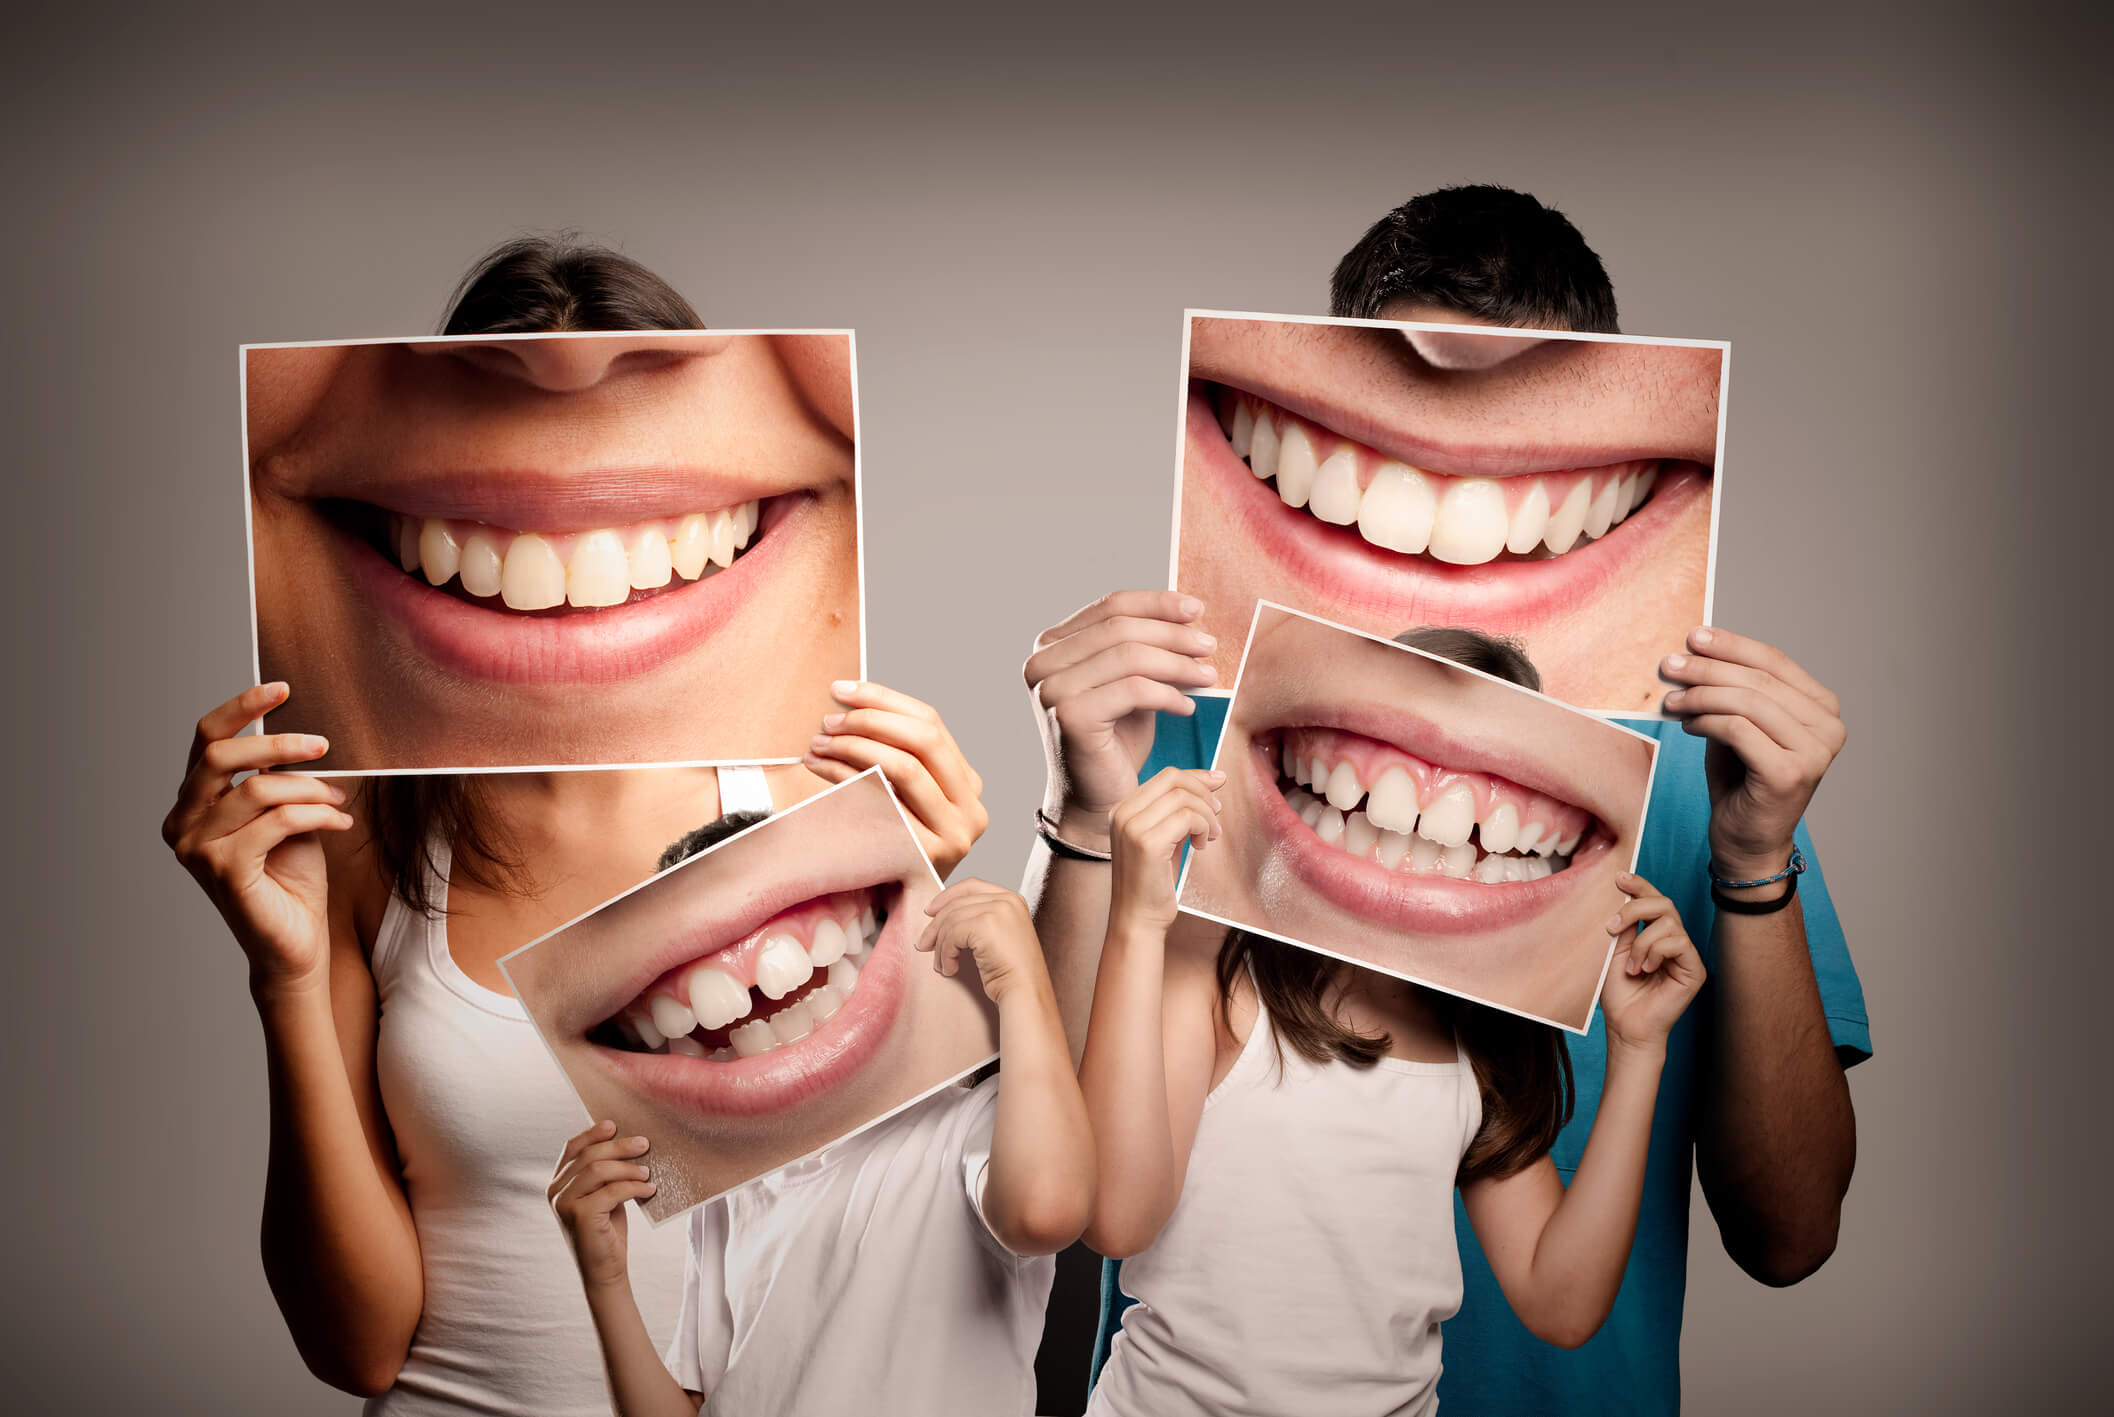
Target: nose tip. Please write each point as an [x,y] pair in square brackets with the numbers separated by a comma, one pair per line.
[1454,349]
[568,365]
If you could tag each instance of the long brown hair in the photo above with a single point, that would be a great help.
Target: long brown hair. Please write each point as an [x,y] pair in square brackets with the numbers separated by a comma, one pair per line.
[1522,1068]
[531,285]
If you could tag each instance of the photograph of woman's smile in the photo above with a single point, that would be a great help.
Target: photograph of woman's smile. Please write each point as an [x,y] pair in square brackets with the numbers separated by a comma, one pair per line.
[1552,488]
[455,540]
[761,999]
[1394,809]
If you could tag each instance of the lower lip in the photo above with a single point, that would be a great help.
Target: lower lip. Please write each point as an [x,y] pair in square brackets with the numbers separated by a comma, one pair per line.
[1416,905]
[604,646]
[790,1074]
[1404,590]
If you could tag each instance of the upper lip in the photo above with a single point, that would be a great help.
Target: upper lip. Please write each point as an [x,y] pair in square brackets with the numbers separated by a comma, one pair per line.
[709,930]
[545,499]
[1426,451]
[1444,748]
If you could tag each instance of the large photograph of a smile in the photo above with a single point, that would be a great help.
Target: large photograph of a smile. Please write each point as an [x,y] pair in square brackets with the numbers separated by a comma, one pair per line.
[762,999]
[1561,489]
[1390,807]
[452,539]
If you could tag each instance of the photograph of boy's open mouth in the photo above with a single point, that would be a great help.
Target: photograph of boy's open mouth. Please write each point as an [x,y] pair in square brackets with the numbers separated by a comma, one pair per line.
[760,1000]
[454,540]
[1557,489]
[1395,809]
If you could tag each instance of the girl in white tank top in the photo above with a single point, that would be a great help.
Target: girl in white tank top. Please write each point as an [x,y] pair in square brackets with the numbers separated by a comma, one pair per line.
[1279,1138]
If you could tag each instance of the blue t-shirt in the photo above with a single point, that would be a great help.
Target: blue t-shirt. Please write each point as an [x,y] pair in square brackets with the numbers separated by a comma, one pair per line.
[1633,1365]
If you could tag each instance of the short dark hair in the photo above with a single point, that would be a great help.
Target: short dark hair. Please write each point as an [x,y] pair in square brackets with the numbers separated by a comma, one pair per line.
[1487,252]
[710,834]
[556,285]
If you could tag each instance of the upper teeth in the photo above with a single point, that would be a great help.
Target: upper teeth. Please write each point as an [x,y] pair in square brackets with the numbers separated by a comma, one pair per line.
[1465,521]
[714,997]
[1388,823]
[537,570]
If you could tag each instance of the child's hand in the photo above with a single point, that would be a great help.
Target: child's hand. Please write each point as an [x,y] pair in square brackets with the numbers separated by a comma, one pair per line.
[1653,977]
[993,925]
[597,1174]
[253,845]
[906,740]
[1147,830]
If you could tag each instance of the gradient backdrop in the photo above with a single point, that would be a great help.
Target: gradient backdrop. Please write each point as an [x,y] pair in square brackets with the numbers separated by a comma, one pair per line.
[1897,217]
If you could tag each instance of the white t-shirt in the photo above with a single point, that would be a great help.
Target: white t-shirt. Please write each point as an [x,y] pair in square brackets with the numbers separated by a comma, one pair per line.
[865,1280]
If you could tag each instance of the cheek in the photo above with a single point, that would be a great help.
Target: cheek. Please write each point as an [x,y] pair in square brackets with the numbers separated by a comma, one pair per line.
[282,387]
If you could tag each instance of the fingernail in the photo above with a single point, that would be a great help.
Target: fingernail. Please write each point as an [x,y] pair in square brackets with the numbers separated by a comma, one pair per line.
[1700,635]
[337,794]
[653,1188]
[277,689]
[605,1126]
[1614,925]
[818,742]
[842,687]
[1675,697]
[1191,606]
[1208,641]
[831,722]
[1210,674]
[637,1143]
[315,745]
[1216,775]
[1676,661]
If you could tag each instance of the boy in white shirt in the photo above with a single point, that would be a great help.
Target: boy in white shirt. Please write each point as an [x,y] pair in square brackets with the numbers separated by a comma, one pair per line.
[904,1269]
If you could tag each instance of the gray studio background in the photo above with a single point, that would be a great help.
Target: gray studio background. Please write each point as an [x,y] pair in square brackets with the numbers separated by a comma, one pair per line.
[1896,217]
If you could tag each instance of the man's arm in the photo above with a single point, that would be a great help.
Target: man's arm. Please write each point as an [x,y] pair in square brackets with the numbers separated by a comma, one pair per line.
[1097,679]
[1777,1135]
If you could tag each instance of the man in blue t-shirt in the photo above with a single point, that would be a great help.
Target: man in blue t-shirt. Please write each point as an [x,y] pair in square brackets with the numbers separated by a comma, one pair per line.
[1753,1093]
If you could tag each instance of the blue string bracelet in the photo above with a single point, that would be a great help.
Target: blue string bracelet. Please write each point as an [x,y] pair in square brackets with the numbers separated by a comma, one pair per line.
[1719,884]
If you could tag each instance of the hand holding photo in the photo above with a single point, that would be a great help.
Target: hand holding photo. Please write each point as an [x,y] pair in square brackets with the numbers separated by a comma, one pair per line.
[452,540]
[761,999]
[1552,486]
[1442,823]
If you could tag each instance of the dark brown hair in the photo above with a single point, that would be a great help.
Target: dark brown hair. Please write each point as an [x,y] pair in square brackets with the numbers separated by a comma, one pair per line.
[1522,1068]
[532,285]
[1490,253]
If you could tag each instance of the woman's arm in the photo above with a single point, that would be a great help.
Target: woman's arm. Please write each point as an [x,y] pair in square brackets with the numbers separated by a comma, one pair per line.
[1560,1254]
[906,740]
[339,1248]
[1039,1189]
[1152,1035]
[597,1173]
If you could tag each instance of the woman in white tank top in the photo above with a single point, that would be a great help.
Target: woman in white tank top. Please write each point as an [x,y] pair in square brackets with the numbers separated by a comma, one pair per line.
[415,1113]
[1280,1135]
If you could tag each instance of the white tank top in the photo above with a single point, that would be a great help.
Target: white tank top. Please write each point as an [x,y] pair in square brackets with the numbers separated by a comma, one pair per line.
[1311,1256]
[480,1112]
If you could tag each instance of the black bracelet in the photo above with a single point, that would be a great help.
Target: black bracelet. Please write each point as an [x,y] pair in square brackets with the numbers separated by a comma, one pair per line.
[1047,830]
[1754,907]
